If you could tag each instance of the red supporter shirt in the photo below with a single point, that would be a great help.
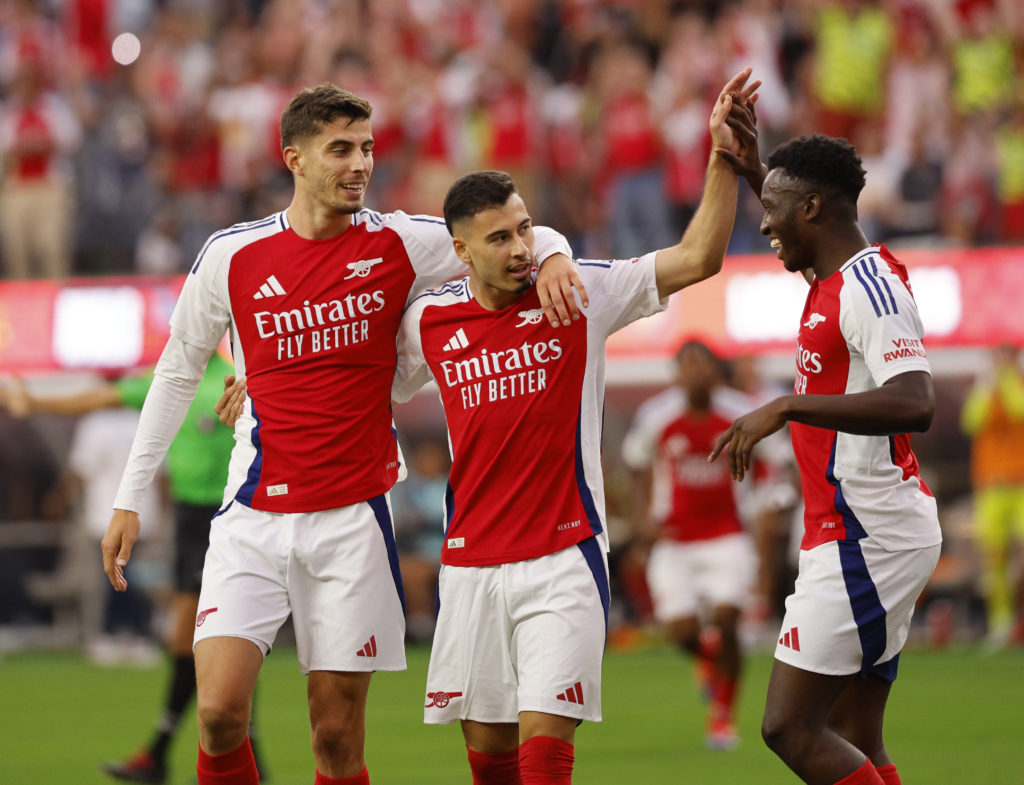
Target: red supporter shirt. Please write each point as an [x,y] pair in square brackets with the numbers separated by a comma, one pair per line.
[632,140]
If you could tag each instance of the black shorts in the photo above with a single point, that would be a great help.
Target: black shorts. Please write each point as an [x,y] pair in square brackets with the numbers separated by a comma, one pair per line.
[191,539]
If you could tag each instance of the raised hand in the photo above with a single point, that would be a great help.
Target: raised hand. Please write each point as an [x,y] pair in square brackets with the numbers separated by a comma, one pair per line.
[742,153]
[732,120]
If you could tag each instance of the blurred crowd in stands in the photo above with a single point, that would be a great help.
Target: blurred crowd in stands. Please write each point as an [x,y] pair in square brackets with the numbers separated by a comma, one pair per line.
[597,107]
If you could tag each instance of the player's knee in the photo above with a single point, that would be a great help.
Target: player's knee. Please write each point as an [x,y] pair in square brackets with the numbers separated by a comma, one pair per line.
[223,725]
[867,737]
[781,736]
[336,741]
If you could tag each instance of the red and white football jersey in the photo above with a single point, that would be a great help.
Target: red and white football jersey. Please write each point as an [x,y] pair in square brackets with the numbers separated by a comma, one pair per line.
[523,401]
[860,327]
[691,499]
[313,326]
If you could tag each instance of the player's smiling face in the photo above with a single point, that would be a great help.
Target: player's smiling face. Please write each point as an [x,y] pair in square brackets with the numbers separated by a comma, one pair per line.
[336,164]
[497,244]
[783,199]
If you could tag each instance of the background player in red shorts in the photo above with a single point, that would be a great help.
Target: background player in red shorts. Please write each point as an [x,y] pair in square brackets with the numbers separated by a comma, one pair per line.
[523,588]
[313,297]
[871,530]
[701,568]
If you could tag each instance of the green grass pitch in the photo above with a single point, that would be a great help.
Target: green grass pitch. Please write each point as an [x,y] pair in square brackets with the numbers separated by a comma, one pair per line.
[955,718]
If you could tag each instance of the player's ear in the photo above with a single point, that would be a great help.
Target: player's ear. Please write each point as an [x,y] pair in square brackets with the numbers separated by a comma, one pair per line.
[461,251]
[292,159]
[812,206]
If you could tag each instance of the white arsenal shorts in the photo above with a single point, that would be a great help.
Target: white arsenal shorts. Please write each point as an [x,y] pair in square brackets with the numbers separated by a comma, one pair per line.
[850,611]
[335,571]
[524,636]
[684,576]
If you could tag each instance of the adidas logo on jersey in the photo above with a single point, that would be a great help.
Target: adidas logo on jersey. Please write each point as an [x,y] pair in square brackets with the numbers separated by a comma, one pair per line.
[362,268]
[572,695]
[369,648]
[791,640]
[271,288]
[457,341]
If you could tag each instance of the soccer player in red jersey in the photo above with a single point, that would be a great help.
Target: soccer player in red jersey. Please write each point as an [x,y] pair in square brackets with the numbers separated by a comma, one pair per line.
[702,565]
[871,530]
[313,297]
[523,588]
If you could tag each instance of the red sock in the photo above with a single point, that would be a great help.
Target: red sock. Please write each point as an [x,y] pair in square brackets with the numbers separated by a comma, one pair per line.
[237,767]
[888,774]
[723,695]
[362,778]
[865,775]
[544,760]
[709,643]
[494,768]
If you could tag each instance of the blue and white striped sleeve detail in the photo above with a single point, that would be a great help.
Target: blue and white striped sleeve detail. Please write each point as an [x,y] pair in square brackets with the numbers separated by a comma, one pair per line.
[620,290]
[273,223]
[453,291]
[376,220]
[879,319]
[203,312]
[372,218]
[867,272]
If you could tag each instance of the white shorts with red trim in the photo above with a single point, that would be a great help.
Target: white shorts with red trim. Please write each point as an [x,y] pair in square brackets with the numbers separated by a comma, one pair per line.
[335,571]
[685,576]
[524,636]
[851,608]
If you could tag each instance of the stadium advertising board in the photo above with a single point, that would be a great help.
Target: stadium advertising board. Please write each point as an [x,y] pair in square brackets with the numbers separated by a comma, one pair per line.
[966,298]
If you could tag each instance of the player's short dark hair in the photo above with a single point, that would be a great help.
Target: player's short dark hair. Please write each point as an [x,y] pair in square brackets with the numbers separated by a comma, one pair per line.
[313,108]
[823,162]
[475,192]
[701,346]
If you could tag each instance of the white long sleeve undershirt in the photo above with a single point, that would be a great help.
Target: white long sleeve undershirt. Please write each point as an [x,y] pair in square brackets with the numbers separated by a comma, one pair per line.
[175,379]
